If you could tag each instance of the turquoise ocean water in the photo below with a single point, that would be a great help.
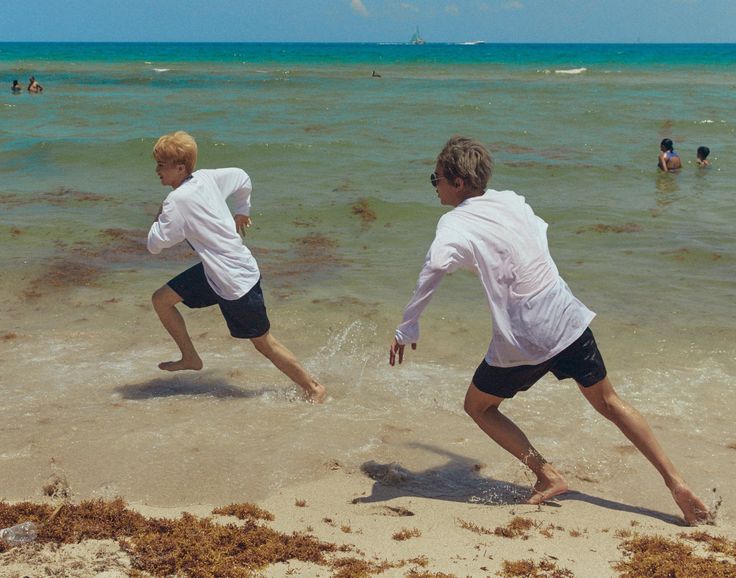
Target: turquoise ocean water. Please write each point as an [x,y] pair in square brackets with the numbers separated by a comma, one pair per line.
[344,212]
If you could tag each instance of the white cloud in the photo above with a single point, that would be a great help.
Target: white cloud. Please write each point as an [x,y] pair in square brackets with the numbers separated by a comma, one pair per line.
[359,7]
[452,9]
[515,5]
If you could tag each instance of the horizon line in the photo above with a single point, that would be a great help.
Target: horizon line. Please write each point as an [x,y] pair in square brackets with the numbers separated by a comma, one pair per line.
[372,42]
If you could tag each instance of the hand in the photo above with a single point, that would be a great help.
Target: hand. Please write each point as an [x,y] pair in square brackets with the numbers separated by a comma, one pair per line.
[395,348]
[242,222]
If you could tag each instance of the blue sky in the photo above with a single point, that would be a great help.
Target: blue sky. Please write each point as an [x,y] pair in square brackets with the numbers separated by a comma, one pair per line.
[369,20]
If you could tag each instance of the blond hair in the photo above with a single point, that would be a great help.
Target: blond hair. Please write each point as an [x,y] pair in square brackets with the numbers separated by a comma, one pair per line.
[467,159]
[178,147]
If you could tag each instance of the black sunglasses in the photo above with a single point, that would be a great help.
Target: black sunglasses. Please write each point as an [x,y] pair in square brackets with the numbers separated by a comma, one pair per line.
[434,179]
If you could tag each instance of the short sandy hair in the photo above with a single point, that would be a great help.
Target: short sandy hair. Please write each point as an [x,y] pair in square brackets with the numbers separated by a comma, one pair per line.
[467,159]
[178,147]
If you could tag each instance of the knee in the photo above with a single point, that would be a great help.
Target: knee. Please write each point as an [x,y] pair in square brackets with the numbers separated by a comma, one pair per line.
[264,344]
[610,407]
[164,297]
[475,409]
[158,298]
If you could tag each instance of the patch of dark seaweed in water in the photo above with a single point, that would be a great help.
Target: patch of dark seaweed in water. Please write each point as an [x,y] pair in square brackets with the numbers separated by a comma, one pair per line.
[362,209]
[120,246]
[82,263]
[603,228]
[511,148]
[316,128]
[678,254]
[365,309]
[343,187]
[313,256]
[60,196]
[64,195]
[62,274]
[314,243]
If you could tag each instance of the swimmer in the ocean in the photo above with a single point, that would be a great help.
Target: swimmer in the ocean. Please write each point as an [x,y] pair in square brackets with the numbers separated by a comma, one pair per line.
[669,160]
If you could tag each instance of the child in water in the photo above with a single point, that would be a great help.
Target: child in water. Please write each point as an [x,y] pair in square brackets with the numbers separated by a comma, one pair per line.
[669,160]
[702,154]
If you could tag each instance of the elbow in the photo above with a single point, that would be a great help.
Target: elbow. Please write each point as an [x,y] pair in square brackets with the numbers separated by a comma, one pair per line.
[436,269]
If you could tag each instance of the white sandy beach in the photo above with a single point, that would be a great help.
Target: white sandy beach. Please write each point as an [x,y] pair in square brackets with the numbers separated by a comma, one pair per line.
[379,522]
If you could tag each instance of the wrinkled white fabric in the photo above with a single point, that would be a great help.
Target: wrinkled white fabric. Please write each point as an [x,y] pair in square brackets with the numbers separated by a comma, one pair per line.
[197,211]
[497,235]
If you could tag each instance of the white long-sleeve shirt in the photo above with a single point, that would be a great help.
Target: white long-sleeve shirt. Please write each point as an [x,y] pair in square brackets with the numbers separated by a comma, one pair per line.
[497,235]
[197,211]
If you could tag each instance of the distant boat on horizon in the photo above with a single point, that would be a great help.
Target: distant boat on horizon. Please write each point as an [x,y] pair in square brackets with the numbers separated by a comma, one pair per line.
[473,42]
[417,38]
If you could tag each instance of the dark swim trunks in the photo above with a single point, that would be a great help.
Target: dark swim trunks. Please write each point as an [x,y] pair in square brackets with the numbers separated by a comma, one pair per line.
[246,317]
[581,361]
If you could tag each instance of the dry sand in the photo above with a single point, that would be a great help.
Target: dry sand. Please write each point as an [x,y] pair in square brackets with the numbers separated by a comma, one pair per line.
[401,534]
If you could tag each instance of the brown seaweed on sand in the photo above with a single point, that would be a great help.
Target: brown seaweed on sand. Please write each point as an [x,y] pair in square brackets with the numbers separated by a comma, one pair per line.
[530,569]
[244,511]
[659,557]
[191,546]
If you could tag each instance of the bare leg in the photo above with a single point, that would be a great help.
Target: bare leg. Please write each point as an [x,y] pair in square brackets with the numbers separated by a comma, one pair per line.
[632,424]
[483,408]
[164,302]
[285,361]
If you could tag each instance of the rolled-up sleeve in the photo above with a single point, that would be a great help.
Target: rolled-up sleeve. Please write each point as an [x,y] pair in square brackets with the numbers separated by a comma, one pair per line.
[168,230]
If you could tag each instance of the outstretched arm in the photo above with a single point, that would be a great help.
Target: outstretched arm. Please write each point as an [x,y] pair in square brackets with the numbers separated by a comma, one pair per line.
[443,257]
[447,253]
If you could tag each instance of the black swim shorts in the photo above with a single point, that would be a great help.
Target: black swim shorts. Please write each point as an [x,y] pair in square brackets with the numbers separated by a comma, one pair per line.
[580,361]
[246,317]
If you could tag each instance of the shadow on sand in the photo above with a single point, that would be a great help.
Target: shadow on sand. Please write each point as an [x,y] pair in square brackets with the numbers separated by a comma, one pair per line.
[460,480]
[189,385]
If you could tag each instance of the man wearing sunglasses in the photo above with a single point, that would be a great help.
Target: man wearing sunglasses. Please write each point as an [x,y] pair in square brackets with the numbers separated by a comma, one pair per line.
[538,324]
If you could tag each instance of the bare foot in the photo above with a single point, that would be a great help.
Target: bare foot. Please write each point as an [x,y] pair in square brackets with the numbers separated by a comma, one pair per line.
[693,509]
[317,394]
[550,483]
[195,364]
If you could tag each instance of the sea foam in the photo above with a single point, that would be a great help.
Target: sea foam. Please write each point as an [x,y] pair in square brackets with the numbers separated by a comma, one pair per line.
[570,71]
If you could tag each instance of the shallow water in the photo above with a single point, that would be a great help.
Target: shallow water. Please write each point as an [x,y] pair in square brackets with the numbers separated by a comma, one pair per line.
[343,215]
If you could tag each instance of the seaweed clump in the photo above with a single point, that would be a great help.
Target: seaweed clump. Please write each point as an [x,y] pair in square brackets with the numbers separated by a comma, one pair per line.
[517,527]
[190,546]
[530,569]
[659,557]
[362,209]
[244,511]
